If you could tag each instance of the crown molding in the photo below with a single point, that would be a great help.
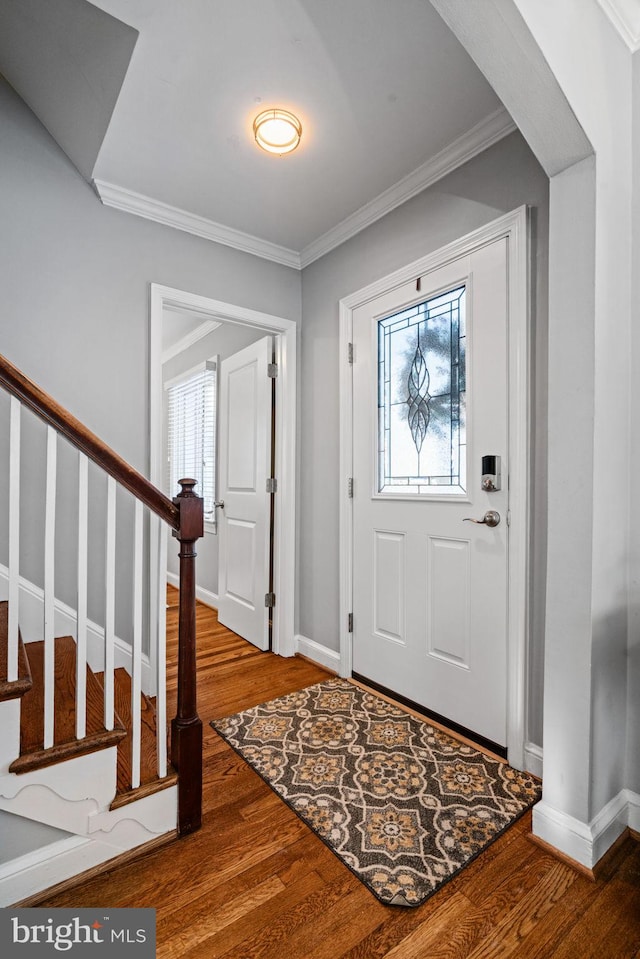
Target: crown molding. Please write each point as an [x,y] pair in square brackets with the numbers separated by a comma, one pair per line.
[145,206]
[189,339]
[625,17]
[489,131]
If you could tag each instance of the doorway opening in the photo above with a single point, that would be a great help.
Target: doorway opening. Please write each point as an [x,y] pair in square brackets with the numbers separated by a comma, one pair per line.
[195,318]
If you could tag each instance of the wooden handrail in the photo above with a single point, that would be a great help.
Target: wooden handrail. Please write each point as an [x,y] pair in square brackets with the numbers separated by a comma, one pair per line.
[55,415]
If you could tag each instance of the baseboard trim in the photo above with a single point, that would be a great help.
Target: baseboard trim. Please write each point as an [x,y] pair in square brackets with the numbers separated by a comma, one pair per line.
[633,801]
[533,759]
[587,843]
[205,596]
[317,653]
[561,856]
[107,862]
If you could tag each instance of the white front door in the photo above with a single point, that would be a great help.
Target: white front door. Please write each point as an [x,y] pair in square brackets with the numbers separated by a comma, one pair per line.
[244,465]
[430,400]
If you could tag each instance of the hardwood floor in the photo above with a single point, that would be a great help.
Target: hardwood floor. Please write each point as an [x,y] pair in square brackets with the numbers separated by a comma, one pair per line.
[255,882]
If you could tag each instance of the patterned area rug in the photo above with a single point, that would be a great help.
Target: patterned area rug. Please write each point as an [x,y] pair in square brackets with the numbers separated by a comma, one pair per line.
[401,803]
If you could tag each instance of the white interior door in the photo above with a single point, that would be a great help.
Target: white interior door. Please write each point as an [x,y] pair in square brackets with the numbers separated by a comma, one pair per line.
[244,465]
[430,399]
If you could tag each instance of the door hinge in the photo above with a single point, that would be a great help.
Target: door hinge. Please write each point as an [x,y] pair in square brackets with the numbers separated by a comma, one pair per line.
[350,352]
[350,623]
[272,485]
[350,487]
[272,370]
[269,600]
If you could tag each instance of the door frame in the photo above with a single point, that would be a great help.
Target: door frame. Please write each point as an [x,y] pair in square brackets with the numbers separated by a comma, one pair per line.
[285,334]
[514,227]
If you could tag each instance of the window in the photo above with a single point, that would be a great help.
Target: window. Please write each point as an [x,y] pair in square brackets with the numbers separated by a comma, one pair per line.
[421,398]
[191,434]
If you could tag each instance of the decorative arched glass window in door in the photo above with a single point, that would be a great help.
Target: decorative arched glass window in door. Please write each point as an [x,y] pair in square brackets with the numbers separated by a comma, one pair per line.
[421,398]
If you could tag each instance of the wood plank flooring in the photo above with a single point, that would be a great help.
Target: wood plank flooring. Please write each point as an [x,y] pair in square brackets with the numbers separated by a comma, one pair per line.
[255,883]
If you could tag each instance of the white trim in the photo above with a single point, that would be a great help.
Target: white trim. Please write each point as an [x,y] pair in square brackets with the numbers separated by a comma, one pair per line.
[136,672]
[322,655]
[144,819]
[569,835]
[533,759]
[10,739]
[205,596]
[634,810]
[163,297]
[345,506]
[48,593]
[44,867]
[514,227]
[173,579]
[158,664]
[112,833]
[145,206]
[187,374]
[110,605]
[189,339]
[65,619]
[63,794]
[14,539]
[489,131]
[83,579]
[587,842]
[36,856]
[625,17]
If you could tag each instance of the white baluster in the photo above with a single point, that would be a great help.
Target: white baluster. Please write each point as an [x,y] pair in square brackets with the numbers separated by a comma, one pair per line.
[49,587]
[14,540]
[161,654]
[136,678]
[110,603]
[81,637]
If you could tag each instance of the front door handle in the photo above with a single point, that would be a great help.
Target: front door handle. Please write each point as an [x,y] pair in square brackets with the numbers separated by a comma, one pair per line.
[490,518]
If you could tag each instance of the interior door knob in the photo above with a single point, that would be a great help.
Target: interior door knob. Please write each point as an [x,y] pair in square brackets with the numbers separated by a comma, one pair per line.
[490,518]
[219,504]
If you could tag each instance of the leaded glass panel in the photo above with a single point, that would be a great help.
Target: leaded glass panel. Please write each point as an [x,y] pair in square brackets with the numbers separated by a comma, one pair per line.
[421,398]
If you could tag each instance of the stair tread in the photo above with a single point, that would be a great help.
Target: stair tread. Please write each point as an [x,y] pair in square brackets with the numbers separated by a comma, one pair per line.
[32,752]
[21,685]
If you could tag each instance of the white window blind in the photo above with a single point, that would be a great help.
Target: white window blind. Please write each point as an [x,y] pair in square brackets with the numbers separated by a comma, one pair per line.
[191,428]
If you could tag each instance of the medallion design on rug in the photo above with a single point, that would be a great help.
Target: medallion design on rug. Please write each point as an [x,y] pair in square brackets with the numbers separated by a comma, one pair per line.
[402,804]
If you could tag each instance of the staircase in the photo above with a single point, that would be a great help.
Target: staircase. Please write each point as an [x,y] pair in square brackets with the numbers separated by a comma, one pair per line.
[84,752]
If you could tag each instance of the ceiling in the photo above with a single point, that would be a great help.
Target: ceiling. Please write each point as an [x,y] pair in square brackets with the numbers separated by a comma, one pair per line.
[388,99]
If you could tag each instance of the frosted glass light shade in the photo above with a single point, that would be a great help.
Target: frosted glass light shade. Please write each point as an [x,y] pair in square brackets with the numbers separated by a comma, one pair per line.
[277,131]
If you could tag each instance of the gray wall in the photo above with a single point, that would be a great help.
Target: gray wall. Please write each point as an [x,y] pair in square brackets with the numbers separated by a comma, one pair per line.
[19,836]
[497,181]
[75,285]
[223,342]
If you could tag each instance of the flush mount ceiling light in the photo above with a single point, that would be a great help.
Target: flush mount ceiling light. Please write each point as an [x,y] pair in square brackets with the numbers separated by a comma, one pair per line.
[277,131]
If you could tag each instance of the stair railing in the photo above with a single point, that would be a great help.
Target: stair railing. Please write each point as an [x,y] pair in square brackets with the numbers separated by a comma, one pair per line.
[184,516]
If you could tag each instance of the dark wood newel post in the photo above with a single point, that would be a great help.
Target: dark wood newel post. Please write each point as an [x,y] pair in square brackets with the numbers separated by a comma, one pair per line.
[186,728]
